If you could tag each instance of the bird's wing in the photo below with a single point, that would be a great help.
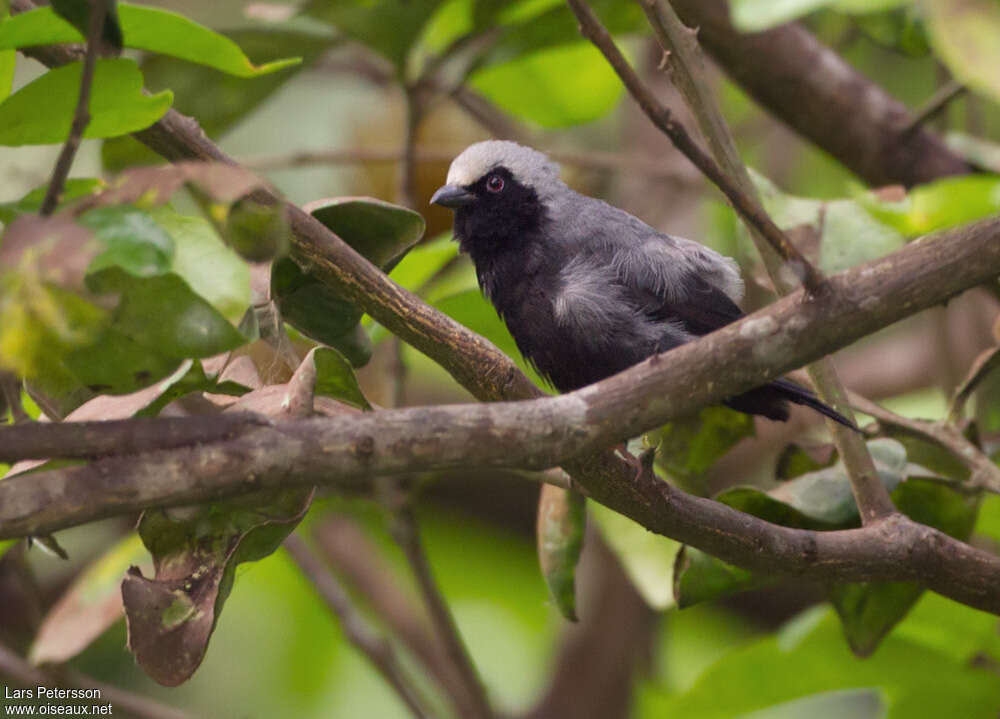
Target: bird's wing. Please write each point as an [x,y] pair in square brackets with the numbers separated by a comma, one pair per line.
[670,279]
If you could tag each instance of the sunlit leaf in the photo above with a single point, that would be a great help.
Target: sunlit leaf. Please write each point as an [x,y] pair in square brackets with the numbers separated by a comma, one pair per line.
[938,205]
[390,27]
[144,28]
[963,34]
[41,112]
[555,87]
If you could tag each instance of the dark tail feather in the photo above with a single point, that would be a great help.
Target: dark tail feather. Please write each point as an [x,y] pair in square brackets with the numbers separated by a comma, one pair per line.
[797,394]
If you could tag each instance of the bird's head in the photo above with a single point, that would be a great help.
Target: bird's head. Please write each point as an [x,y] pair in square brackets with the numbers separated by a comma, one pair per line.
[498,187]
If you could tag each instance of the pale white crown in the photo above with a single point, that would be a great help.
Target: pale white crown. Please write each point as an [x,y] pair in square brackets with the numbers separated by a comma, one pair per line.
[528,166]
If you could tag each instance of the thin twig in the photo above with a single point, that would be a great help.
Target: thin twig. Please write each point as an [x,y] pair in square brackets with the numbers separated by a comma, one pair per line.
[406,532]
[22,672]
[81,117]
[935,104]
[356,628]
[661,116]
[685,64]
[346,547]
[984,474]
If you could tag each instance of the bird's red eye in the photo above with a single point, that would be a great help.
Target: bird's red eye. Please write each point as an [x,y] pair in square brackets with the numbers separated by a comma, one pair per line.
[494,183]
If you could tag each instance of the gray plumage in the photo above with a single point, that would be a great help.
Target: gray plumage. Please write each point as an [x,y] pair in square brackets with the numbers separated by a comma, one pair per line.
[586,289]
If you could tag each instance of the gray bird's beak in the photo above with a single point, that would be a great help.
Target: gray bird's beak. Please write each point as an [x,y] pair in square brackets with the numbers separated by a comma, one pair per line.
[452,196]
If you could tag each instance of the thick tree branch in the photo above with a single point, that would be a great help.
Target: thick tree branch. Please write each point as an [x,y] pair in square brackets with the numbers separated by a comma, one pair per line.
[683,60]
[349,451]
[823,98]
[87,440]
[660,115]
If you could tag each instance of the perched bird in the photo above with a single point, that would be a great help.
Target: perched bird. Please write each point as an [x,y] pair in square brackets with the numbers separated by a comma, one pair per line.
[588,290]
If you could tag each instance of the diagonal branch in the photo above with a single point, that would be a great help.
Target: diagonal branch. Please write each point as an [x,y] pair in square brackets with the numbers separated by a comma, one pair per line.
[348,452]
[823,98]
[660,115]
[684,63]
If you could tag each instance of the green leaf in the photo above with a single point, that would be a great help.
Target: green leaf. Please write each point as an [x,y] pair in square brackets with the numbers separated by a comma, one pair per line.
[554,87]
[195,554]
[144,28]
[423,262]
[380,231]
[218,100]
[825,495]
[964,36]
[699,577]
[562,520]
[938,205]
[131,239]
[91,604]
[8,61]
[647,558]
[687,448]
[41,112]
[212,270]
[389,27]
[134,352]
[913,678]
[335,378]
[849,235]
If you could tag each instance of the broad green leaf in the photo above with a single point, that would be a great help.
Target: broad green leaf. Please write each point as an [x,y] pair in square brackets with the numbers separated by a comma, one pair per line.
[700,577]
[134,351]
[389,27]
[91,604]
[562,520]
[195,553]
[335,378]
[938,205]
[869,611]
[913,679]
[797,459]
[849,234]
[8,60]
[380,231]
[825,495]
[648,559]
[41,112]
[902,30]
[423,262]
[964,36]
[144,28]
[687,448]
[554,87]
[131,239]
[218,100]
[211,269]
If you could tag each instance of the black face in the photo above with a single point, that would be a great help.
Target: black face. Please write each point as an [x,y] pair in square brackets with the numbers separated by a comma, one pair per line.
[504,214]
